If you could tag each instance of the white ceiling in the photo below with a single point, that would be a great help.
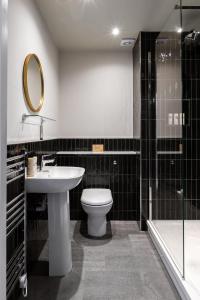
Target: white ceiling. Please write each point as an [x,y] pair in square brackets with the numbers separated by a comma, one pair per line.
[87,24]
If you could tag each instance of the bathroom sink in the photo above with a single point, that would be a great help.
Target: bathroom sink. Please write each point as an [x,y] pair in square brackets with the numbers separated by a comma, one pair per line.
[54,180]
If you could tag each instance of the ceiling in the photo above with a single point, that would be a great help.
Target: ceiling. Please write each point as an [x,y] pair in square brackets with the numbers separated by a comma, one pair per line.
[78,25]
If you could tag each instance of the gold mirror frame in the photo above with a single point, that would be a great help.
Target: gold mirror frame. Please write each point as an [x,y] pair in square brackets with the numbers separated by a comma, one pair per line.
[25,82]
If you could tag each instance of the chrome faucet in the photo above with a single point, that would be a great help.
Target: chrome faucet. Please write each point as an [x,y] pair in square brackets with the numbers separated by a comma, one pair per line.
[41,129]
[45,161]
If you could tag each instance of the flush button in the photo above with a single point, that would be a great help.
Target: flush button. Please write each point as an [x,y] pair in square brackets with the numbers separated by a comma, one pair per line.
[114,162]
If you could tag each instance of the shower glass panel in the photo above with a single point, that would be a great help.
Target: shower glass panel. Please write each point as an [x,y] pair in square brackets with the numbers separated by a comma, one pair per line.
[191,139]
[166,185]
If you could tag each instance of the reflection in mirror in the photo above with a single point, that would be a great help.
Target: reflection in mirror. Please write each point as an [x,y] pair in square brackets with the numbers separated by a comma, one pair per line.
[33,83]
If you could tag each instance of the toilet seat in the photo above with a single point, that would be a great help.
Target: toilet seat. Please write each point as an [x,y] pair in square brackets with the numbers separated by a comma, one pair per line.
[96,197]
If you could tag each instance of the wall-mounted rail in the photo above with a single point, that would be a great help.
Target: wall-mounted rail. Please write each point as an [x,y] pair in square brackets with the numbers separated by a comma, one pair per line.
[42,120]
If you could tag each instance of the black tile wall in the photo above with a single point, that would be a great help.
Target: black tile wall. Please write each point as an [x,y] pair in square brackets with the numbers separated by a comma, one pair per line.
[147,40]
[109,144]
[120,173]
[76,145]
[167,144]
[167,198]
[39,146]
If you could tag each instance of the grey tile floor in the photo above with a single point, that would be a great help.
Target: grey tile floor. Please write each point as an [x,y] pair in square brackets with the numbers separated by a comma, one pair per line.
[125,266]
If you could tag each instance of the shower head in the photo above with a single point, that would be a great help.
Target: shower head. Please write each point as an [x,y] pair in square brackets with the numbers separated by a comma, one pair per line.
[192,38]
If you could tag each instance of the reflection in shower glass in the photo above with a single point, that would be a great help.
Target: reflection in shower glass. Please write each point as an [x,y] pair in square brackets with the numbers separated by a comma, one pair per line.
[167,203]
[175,206]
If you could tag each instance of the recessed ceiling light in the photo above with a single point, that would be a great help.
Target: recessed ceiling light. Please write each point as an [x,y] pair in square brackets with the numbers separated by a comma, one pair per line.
[115,31]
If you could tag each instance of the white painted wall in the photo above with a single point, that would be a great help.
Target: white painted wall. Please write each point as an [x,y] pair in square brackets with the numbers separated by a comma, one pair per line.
[28,34]
[89,93]
[96,93]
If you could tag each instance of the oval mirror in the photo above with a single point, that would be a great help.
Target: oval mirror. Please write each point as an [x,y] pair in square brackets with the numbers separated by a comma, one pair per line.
[33,83]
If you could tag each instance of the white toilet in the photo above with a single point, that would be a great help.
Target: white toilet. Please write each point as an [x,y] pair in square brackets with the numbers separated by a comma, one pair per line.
[96,203]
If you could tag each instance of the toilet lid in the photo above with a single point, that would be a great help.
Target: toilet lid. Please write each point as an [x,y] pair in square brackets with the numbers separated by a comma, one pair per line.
[96,196]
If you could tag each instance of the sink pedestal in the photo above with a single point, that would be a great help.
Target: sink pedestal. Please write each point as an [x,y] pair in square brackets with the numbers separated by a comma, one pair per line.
[56,182]
[60,257]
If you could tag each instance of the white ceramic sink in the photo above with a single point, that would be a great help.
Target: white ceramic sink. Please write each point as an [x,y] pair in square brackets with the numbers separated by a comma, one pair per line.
[56,182]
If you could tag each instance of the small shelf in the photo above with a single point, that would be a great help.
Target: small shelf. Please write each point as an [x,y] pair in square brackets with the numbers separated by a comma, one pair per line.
[42,118]
[98,153]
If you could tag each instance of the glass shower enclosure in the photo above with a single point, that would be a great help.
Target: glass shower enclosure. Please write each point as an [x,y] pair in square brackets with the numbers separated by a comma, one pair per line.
[174,185]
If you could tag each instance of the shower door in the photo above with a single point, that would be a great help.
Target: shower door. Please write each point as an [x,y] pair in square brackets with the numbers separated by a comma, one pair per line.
[174,152]
[166,185]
